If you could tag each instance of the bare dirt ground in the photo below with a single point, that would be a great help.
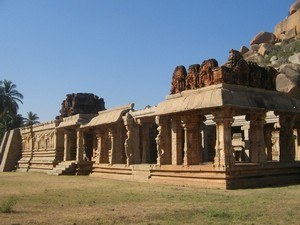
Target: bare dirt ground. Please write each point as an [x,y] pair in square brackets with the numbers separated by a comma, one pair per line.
[44,199]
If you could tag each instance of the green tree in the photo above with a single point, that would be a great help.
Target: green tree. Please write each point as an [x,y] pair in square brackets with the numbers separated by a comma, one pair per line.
[31,119]
[10,97]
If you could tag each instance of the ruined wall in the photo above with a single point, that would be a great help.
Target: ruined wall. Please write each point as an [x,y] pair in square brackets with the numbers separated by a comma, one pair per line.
[81,103]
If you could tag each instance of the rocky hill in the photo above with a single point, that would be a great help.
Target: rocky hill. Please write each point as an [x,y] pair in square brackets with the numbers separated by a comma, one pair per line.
[280,49]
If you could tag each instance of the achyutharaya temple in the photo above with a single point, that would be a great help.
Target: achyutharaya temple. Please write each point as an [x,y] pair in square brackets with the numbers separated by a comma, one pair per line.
[221,126]
[224,127]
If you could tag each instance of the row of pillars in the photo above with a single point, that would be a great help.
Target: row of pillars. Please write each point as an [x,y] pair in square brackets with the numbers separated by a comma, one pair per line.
[107,153]
[179,140]
[224,155]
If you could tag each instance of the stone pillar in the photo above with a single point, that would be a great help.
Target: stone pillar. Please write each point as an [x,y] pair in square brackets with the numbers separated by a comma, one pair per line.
[297,147]
[245,128]
[203,146]
[98,153]
[286,138]
[80,146]
[128,122]
[111,151]
[104,148]
[193,151]
[256,136]
[67,149]
[269,128]
[161,140]
[177,140]
[224,157]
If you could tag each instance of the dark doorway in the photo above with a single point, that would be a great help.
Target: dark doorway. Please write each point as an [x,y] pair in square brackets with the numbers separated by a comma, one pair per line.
[89,140]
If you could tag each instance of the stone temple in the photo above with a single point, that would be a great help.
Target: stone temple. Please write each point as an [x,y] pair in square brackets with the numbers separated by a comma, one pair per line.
[221,126]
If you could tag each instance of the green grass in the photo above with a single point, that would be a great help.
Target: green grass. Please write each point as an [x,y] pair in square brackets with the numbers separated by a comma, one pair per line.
[7,205]
[44,199]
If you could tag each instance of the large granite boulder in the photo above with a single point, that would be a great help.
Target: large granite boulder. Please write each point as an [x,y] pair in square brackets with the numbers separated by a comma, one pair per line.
[264,37]
[295,59]
[265,48]
[81,103]
[294,7]
[243,50]
[288,80]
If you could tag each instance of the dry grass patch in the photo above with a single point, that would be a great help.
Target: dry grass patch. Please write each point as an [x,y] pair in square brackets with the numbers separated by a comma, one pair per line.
[44,199]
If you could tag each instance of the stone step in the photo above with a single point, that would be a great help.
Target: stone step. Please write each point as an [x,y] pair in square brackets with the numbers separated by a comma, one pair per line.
[112,171]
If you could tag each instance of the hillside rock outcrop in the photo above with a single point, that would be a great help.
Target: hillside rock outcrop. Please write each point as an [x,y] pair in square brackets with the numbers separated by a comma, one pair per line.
[280,50]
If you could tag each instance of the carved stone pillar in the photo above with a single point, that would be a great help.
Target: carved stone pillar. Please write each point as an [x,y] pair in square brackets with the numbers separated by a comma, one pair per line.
[111,151]
[224,157]
[98,150]
[104,148]
[193,152]
[162,141]
[177,140]
[297,141]
[257,137]
[286,138]
[128,122]
[80,146]
[203,144]
[67,149]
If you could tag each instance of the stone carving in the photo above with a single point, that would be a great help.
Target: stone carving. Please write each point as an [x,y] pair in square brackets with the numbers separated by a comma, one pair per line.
[178,80]
[159,140]
[192,77]
[235,71]
[128,122]
[205,77]
[81,103]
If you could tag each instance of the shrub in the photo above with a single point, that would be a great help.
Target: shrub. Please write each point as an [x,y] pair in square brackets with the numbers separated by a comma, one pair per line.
[7,205]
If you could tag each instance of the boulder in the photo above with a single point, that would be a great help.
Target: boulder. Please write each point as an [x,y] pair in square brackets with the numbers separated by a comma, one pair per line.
[264,37]
[248,54]
[288,80]
[295,58]
[254,47]
[294,7]
[291,70]
[254,58]
[265,49]
[243,50]
[273,58]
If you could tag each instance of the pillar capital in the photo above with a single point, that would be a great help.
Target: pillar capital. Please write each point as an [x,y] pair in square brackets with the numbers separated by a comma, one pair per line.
[258,116]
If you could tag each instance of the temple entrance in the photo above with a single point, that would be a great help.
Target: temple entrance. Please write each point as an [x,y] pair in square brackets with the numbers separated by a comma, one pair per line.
[73,139]
[152,145]
[88,146]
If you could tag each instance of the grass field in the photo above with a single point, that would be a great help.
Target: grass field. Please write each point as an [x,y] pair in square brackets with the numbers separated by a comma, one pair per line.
[37,198]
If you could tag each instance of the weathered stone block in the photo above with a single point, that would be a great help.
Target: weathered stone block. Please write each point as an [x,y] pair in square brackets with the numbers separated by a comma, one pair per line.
[264,37]
[295,58]
[265,49]
[244,49]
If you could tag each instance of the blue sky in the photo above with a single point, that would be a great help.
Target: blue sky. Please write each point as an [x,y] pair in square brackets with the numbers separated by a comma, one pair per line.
[122,50]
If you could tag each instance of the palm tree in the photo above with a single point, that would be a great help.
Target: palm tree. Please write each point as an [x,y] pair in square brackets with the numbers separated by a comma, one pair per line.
[31,119]
[9,99]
